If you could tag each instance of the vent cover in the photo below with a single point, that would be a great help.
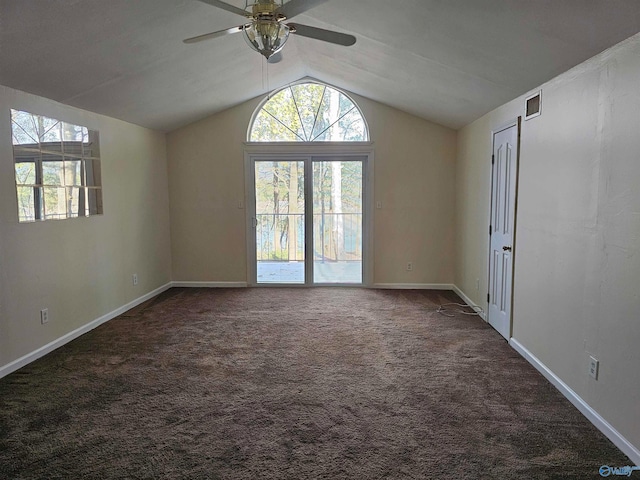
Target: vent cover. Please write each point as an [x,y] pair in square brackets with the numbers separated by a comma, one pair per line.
[533,105]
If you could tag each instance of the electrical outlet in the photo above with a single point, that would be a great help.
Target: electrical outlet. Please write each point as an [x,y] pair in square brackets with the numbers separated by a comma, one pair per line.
[44,316]
[409,266]
[594,367]
[477,284]
[135,279]
[378,204]
[240,204]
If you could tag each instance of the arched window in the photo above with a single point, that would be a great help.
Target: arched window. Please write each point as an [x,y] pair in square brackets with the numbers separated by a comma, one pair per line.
[308,112]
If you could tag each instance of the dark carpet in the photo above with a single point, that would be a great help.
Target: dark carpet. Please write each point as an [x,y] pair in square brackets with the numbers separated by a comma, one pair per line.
[274,383]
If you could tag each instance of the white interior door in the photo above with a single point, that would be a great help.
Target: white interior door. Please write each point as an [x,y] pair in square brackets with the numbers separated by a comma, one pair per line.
[503,201]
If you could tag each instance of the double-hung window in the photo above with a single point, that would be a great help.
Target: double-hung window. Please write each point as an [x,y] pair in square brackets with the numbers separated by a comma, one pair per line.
[57,168]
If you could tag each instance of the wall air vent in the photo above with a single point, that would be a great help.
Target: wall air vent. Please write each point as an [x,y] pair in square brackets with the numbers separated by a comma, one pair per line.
[533,105]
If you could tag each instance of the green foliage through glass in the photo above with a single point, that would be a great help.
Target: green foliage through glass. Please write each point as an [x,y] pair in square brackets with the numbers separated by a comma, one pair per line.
[309,112]
[57,168]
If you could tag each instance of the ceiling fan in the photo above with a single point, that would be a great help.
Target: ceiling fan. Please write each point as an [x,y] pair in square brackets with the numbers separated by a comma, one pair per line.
[265,30]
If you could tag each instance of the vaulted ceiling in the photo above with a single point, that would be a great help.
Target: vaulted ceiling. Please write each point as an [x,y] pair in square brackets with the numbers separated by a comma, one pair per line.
[449,61]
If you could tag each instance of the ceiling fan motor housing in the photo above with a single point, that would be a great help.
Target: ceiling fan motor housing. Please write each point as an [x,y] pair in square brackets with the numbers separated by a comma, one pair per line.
[266,9]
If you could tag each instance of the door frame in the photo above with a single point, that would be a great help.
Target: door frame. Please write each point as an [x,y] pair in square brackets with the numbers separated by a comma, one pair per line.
[517,122]
[298,151]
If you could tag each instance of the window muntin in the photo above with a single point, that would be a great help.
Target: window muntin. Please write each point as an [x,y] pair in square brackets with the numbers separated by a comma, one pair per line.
[57,168]
[309,112]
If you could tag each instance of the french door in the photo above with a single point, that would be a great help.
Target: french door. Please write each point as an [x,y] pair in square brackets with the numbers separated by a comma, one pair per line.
[307,220]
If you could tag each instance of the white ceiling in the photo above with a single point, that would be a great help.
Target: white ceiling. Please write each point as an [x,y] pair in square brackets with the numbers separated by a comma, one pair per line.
[449,61]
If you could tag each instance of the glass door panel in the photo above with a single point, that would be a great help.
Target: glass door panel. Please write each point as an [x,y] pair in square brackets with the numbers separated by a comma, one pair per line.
[337,222]
[280,222]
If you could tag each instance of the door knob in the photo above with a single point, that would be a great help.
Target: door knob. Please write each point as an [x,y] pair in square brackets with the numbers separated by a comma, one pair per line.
[506,248]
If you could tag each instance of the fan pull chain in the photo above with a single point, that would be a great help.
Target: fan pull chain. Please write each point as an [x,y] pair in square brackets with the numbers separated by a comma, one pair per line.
[266,61]
[265,77]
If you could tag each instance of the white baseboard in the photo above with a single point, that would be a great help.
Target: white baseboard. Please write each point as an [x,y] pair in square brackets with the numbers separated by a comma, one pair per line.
[468,301]
[209,284]
[594,417]
[50,347]
[414,286]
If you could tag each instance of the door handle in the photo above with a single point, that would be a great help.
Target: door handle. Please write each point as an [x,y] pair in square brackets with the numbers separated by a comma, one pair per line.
[506,248]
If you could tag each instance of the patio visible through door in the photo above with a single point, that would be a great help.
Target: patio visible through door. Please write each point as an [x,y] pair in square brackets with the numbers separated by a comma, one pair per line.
[308,221]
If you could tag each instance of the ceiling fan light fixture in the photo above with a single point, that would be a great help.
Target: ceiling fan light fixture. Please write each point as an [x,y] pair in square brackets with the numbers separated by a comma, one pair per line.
[266,36]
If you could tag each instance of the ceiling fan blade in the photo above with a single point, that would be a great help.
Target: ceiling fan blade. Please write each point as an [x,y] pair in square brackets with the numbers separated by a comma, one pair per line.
[227,7]
[208,36]
[324,35]
[296,7]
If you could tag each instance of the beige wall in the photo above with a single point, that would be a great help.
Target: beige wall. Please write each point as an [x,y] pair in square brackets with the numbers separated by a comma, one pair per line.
[577,257]
[414,181]
[206,182]
[81,269]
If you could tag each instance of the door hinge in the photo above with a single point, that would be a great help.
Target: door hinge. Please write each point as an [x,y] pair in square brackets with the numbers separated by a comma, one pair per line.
[493,159]
[490,230]
[488,298]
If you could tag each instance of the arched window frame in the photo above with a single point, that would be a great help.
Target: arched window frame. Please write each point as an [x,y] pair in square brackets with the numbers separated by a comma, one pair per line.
[262,104]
